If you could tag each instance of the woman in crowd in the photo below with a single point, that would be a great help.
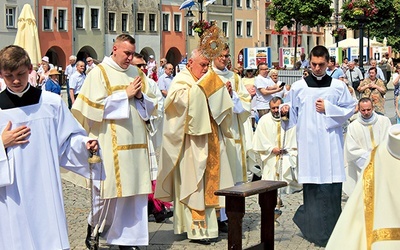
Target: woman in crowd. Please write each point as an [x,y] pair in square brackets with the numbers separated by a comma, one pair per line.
[396,81]
[52,84]
[44,75]
[374,89]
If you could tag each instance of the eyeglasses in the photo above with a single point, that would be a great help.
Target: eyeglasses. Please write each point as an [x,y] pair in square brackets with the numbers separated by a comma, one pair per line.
[225,56]
[263,69]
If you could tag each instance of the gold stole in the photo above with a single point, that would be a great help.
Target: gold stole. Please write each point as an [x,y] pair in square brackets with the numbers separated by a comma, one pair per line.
[277,174]
[381,234]
[211,84]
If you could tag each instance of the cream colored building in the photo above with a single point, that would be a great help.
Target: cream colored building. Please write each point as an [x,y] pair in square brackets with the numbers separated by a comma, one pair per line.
[89,28]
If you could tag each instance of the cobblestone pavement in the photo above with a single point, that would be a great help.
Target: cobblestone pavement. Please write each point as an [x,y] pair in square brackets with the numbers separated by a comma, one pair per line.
[287,235]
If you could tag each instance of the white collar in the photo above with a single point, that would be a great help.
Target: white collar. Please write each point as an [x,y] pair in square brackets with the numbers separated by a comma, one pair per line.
[370,121]
[110,62]
[21,93]
[319,78]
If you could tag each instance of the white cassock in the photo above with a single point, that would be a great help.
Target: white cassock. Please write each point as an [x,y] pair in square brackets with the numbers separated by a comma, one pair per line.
[371,218]
[362,135]
[319,135]
[31,202]
[269,134]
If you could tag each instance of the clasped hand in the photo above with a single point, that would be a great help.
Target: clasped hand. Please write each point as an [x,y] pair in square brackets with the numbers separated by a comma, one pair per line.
[135,88]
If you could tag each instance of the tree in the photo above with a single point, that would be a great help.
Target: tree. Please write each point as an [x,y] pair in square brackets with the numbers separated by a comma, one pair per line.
[384,23]
[295,12]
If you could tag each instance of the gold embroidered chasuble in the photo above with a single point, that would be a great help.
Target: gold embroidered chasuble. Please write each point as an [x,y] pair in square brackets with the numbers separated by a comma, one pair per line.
[124,142]
[195,113]
[371,218]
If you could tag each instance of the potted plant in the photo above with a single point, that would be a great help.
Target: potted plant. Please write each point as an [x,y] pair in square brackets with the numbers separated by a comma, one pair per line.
[360,8]
[200,26]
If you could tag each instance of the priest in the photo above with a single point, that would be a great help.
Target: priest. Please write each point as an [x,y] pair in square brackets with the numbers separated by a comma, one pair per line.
[277,148]
[363,134]
[370,219]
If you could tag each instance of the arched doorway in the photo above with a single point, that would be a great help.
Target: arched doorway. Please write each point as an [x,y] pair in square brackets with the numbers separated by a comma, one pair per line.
[146,52]
[174,56]
[56,57]
[85,52]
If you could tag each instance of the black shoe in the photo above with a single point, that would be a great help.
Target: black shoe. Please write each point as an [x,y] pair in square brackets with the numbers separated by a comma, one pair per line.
[163,215]
[201,242]
[90,242]
[222,227]
[129,248]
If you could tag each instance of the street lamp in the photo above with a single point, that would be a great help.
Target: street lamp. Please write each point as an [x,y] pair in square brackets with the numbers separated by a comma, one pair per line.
[190,3]
[361,22]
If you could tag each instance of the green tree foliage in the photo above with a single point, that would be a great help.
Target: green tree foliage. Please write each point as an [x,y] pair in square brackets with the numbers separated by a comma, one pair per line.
[385,23]
[310,12]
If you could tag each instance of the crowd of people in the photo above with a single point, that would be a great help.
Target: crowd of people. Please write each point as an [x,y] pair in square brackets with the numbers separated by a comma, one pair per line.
[168,141]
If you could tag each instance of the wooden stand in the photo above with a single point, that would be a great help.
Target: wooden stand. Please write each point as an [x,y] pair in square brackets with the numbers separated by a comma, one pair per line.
[235,210]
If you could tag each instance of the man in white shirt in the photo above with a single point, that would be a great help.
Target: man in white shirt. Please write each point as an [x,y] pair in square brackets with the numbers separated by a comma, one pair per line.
[332,70]
[69,70]
[76,81]
[264,90]
[379,74]
[363,134]
[165,79]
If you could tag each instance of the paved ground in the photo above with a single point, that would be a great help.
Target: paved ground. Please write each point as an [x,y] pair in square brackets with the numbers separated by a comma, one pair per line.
[287,235]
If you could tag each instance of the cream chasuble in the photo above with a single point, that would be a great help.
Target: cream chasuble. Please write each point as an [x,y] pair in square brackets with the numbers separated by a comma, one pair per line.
[360,140]
[371,218]
[125,140]
[268,135]
[189,106]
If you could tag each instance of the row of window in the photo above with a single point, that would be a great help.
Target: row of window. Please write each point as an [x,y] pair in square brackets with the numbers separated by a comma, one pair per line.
[60,21]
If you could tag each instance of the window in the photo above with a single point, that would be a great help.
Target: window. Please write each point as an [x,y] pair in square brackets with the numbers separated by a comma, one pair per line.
[225,28]
[165,22]
[239,3]
[62,18]
[224,2]
[177,22]
[94,18]
[111,21]
[189,28]
[238,28]
[249,30]
[10,17]
[47,14]
[278,44]
[124,23]
[248,4]
[140,21]
[267,38]
[267,20]
[152,22]
[79,17]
